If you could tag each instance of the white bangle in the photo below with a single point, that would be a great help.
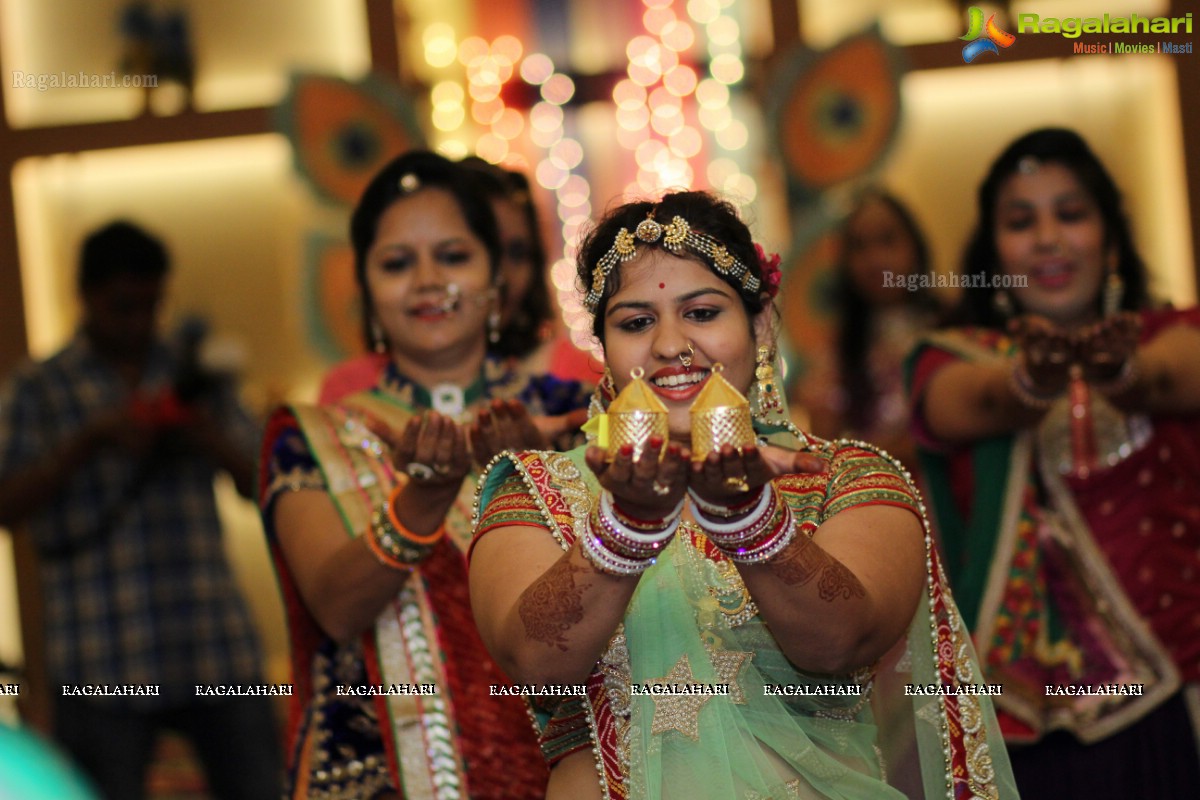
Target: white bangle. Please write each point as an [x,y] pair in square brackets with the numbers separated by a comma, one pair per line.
[723,512]
[738,526]
[610,517]
[605,560]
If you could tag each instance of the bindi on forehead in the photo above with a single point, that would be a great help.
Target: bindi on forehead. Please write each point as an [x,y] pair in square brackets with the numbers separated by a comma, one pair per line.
[662,286]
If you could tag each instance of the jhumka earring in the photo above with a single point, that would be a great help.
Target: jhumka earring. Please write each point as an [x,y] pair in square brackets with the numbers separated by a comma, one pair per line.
[603,394]
[378,339]
[1114,293]
[596,426]
[768,404]
[607,382]
[493,325]
[1003,304]
[494,296]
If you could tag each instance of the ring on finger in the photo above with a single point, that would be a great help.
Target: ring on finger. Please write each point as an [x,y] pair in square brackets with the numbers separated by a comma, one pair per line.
[737,483]
[419,472]
[660,489]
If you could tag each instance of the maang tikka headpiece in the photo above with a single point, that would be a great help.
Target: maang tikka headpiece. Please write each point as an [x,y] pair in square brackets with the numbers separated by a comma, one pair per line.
[676,236]
[409,182]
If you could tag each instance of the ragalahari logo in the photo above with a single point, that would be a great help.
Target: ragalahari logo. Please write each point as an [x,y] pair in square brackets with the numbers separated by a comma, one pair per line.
[991,33]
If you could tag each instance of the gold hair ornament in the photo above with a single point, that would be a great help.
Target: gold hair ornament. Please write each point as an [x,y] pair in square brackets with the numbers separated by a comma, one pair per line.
[676,236]
[408,183]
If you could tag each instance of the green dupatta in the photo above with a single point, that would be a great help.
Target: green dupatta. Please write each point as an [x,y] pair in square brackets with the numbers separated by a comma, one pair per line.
[853,736]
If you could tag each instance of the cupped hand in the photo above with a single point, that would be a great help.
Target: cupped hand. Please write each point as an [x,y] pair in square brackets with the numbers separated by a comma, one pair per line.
[1104,348]
[1047,352]
[561,429]
[648,487]
[504,425]
[726,477]
[431,448]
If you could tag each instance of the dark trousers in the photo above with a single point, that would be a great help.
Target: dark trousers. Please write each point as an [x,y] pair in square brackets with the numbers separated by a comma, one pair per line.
[1151,759]
[236,740]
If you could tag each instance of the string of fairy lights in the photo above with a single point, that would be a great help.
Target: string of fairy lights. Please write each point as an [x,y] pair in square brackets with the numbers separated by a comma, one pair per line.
[661,107]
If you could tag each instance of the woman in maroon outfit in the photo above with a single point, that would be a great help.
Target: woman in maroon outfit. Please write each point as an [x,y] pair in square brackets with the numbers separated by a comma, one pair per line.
[1061,446]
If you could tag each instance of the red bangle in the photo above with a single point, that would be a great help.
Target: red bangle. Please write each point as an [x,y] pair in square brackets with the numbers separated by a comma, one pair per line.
[770,542]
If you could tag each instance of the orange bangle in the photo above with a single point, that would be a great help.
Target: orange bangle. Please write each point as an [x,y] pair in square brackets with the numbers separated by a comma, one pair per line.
[393,544]
[402,529]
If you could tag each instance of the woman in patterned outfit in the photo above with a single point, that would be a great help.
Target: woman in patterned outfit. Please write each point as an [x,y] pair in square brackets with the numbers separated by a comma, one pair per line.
[1059,426]
[856,389]
[367,507]
[526,310]
[744,625]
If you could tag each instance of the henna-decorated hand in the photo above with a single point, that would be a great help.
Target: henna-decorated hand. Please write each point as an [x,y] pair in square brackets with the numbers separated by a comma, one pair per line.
[508,425]
[1047,353]
[648,488]
[725,477]
[432,449]
[1102,349]
[504,425]
[562,430]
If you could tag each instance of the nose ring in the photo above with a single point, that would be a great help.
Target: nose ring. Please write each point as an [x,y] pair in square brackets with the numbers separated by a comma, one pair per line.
[686,359]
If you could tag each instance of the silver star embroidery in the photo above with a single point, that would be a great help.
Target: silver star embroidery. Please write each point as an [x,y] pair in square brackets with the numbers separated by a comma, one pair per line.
[678,712]
[728,663]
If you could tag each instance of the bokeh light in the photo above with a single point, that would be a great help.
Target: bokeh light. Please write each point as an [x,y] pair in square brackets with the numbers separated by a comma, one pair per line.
[627,94]
[733,136]
[440,49]
[722,31]
[509,124]
[567,153]
[536,68]
[491,147]
[727,68]
[472,49]
[703,11]
[678,36]
[669,113]
[558,89]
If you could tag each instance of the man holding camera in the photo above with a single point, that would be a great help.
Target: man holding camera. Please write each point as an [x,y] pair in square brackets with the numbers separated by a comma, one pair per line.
[108,451]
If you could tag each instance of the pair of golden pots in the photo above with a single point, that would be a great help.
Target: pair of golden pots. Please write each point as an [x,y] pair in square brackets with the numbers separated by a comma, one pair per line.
[720,416]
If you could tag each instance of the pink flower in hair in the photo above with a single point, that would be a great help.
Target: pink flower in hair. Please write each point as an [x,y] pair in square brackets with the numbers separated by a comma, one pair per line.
[772,275]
